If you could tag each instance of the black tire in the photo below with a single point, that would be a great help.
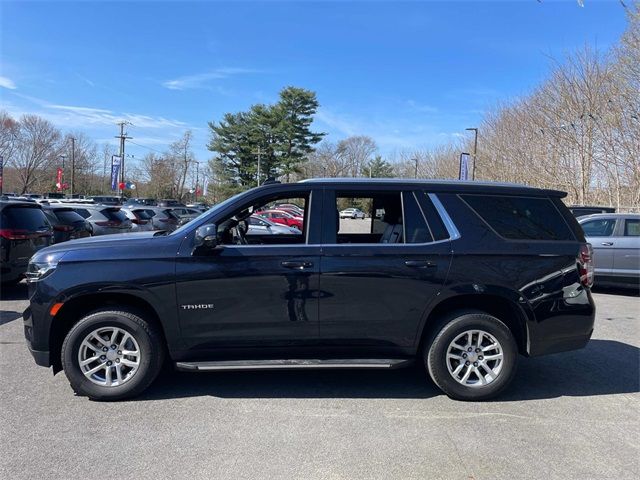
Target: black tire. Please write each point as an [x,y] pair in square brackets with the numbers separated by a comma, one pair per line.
[145,334]
[435,355]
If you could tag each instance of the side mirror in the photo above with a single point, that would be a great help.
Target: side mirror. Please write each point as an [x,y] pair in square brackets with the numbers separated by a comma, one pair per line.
[206,236]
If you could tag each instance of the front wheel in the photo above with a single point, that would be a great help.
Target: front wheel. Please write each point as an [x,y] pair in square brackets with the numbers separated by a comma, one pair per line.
[112,354]
[472,357]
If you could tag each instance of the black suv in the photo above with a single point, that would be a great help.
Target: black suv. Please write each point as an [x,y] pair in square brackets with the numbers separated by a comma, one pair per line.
[459,276]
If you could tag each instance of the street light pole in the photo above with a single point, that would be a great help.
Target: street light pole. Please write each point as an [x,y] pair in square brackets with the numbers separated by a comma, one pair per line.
[475,151]
[416,160]
[259,153]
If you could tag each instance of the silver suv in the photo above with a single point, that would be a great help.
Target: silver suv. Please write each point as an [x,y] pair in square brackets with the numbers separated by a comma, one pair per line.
[615,238]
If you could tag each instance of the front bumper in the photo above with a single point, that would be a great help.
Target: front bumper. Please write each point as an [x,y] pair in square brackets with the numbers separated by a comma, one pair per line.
[41,357]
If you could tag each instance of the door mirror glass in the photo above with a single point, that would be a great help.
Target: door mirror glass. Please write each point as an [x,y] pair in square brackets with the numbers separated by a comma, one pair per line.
[206,236]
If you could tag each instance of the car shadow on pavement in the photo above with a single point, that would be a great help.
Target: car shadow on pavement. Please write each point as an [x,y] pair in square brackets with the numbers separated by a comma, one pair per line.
[408,382]
[14,292]
[626,292]
[7,316]
[604,367]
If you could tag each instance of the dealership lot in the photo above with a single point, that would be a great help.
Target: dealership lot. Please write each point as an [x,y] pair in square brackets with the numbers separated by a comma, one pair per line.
[571,415]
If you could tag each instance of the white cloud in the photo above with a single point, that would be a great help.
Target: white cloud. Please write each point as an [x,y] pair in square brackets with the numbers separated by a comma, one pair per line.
[7,83]
[201,79]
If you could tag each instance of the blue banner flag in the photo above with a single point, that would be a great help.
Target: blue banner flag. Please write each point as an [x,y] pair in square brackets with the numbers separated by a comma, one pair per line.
[115,171]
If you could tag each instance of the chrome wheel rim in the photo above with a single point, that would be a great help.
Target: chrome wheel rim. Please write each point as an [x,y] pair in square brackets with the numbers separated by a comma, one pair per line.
[109,356]
[475,358]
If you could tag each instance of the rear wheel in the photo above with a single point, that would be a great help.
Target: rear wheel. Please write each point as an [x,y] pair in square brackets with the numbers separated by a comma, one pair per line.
[112,354]
[472,356]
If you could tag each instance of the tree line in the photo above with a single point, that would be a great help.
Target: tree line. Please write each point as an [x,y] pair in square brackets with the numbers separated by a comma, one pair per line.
[33,149]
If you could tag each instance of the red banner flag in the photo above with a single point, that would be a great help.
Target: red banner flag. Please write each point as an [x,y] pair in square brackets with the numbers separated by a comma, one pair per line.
[59,179]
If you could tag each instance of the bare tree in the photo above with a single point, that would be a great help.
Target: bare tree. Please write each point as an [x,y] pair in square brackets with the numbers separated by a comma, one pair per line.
[37,145]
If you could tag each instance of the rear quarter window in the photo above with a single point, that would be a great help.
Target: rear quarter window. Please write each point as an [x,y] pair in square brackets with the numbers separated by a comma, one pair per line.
[68,216]
[114,215]
[520,218]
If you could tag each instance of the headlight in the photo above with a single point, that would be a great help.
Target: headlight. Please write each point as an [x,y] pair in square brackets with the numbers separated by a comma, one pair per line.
[42,265]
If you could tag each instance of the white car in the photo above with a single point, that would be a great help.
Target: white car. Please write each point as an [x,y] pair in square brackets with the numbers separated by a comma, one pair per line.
[352,213]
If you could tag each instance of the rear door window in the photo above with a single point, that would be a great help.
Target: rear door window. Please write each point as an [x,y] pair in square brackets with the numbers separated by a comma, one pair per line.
[520,218]
[632,227]
[24,218]
[599,227]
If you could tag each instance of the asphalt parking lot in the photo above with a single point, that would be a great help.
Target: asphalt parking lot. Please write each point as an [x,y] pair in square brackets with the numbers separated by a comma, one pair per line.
[572,415]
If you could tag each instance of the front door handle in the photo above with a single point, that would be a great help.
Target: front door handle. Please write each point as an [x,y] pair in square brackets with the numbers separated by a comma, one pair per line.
[607,244]
[419,264]
[296,265]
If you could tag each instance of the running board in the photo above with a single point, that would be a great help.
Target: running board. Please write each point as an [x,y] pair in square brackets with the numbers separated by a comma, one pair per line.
[291,364]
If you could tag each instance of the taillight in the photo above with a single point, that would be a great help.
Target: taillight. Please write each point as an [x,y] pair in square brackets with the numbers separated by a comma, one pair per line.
[109,223]
[13,234]
[139,222]
[63,228]
[585,264]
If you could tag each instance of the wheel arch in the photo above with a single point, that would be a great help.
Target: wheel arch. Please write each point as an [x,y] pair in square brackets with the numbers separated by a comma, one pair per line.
[504,308]
[78,307]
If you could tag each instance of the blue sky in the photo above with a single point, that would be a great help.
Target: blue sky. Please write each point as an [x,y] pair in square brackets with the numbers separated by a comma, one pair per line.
[410,75]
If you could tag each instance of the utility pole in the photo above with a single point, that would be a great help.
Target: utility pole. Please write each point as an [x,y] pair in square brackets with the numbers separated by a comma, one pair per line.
[259,152]
[62,157]
[475,151]
[416,160]
[73,163]
[123,136]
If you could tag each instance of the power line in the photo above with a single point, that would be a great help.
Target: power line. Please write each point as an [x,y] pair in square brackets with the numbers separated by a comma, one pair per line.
[148,148]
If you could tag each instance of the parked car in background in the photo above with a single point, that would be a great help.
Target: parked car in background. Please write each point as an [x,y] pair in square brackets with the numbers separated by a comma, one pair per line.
[261,226]
[24,229]
[582,210]
[163,218]
[169,202]
[67,223]
[106,200]
[615,238]
[283,218]
[141,221]
[104,219]
[185,214]
[352,213]
[202,207]
[35,196]
[151,202]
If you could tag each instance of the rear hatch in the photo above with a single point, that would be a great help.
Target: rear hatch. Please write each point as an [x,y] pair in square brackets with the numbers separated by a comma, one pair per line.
[24,230]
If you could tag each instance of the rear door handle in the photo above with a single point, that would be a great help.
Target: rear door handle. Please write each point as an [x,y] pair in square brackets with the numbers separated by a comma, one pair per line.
[419,264]
[296,265]
[607,244]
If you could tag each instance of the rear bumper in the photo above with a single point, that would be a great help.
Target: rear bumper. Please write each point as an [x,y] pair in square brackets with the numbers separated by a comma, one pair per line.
[562,324]
[562,344]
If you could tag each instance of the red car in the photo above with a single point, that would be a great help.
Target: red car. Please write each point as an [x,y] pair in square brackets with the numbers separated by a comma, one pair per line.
[283,218]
